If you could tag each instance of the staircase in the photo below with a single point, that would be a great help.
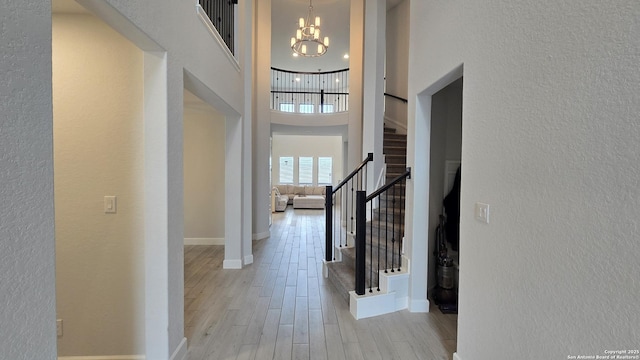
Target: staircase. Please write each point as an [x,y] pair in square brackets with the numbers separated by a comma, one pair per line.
[387,229]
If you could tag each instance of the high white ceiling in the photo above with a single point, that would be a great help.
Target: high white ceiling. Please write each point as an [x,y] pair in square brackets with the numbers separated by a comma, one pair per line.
[335,25]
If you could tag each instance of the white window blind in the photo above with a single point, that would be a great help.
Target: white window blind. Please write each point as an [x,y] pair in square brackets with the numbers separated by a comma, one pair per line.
[325,164]
[286,170]
[305,170]
[306,108]
[327,108]
[287,107]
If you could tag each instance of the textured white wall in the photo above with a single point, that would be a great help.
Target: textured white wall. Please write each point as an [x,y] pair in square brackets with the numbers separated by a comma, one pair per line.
[27,274]
[397,66]
[550,142]
[98,143]
[204,192]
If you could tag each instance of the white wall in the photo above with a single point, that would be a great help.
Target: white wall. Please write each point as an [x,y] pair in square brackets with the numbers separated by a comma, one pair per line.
[204,192]
[27,274]
[550,142]
[98,143]
[171,63]
[306,145]
[397,66]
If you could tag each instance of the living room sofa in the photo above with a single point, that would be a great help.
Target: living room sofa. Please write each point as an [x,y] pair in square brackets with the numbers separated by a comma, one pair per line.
[301,197]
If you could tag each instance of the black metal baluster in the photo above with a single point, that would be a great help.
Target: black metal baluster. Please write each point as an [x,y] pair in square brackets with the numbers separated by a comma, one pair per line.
[386,233]
[361,250]
[393,230]
[328,223]
[371,249]
[401,227]
[379,241]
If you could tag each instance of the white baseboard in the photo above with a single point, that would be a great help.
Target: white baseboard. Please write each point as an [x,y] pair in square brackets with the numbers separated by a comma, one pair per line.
[232,264]
[108,357]
[456,356]
[204,241]
[419,306]
[260,236]
[181,351]
[248,260]
[179,354]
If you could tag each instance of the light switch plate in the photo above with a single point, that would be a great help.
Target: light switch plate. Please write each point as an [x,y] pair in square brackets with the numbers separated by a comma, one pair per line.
[482,212]
[110,204]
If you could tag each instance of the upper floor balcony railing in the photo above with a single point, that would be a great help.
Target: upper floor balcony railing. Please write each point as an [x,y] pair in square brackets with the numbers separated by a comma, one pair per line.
[222,16]
[310,92]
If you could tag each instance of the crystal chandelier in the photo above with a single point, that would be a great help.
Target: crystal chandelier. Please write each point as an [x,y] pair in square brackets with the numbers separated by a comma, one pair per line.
[307,40]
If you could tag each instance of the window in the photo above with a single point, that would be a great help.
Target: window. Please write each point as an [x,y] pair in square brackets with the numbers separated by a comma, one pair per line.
[286,170]
[287,107]
[325,164]
[327,108]
[306,108]
[305,170]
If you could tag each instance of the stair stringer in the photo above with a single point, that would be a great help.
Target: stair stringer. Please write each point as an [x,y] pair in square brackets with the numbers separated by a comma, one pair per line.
[393,295]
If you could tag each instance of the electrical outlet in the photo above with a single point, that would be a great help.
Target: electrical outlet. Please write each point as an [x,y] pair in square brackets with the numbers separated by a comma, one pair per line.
[482,212]
[59,327]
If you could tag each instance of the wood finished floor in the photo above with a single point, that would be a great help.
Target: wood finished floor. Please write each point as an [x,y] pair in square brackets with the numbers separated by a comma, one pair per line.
[281,307]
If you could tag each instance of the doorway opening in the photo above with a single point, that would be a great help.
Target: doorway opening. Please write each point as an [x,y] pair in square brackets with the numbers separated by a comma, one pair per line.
[444,194]
[204,141]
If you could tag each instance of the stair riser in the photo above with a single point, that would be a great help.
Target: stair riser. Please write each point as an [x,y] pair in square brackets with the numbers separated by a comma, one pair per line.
[396,159]
[399,187]
[394,142]
[394,150]
[396,168]
[399,201]
[388,215]
[393,136]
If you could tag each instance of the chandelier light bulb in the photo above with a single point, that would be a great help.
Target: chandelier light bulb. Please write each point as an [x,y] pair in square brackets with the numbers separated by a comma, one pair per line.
[308,36]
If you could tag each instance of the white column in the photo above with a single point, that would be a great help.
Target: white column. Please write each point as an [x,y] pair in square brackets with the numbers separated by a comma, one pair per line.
[373,85]
[262,121]
[156,206]
[245,11]
[356,41]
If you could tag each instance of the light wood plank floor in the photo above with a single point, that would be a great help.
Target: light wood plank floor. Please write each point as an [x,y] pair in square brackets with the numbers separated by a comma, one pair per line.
[281,307]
